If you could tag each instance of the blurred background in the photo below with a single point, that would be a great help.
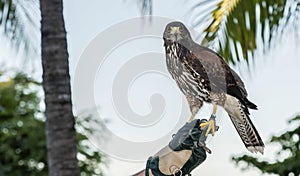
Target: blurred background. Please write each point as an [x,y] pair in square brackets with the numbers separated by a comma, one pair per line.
[259,39]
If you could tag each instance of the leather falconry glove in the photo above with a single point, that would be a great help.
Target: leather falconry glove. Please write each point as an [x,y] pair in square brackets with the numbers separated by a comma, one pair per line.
[184,153]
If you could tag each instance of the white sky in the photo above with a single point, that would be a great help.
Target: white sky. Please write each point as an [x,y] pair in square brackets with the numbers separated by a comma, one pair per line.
[273,85]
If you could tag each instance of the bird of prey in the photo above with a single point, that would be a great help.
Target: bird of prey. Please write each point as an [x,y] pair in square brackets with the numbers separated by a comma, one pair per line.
[203,76]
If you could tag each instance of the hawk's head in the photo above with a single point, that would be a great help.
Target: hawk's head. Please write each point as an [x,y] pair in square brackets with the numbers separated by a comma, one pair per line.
[176,32]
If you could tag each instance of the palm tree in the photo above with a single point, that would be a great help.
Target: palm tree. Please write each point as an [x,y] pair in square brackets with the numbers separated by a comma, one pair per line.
[60,132]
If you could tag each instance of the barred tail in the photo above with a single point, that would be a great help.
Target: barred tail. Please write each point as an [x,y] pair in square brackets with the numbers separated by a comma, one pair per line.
[243,124]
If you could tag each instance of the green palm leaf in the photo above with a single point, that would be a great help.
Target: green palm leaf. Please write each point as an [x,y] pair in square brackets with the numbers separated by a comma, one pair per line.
[145,6]
[238,26]
[19,23]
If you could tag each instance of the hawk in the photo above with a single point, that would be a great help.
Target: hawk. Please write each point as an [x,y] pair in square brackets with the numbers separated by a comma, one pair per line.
[203,76]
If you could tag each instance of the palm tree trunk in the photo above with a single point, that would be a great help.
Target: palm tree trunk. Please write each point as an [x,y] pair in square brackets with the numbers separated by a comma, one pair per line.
[60,132]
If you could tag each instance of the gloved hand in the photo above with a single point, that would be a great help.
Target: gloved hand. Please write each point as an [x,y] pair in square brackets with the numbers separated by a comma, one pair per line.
[184,153]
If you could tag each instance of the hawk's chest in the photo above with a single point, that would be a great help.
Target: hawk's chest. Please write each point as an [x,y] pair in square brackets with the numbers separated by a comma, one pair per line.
[182,73]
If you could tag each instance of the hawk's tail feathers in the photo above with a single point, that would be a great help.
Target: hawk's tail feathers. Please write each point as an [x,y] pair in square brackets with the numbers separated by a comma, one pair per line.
[243,125]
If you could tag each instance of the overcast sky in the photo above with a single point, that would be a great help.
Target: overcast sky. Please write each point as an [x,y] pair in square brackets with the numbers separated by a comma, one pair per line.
[273,83]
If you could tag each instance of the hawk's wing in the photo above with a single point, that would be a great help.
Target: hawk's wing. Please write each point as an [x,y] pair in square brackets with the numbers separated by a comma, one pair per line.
[221,77]
[239,82]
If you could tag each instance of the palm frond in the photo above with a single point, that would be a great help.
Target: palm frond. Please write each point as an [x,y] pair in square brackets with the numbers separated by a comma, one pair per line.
[145,7]
[237,28]
[223,9]
[19,21]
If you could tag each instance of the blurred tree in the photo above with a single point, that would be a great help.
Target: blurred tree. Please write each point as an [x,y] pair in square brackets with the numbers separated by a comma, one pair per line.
[22,136]
[289,146]
[60,132]
[22,132]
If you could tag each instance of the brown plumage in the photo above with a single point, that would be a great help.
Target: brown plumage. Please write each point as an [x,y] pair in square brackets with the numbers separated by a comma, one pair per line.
[202,75]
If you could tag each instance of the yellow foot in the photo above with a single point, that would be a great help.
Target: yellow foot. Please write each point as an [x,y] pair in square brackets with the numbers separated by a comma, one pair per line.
[210,126]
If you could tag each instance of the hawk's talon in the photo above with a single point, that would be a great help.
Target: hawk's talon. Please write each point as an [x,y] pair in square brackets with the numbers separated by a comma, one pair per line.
[210,127]
[204,127]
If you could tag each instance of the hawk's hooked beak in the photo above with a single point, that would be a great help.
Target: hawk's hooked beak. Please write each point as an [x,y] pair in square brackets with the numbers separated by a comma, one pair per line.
[175,31]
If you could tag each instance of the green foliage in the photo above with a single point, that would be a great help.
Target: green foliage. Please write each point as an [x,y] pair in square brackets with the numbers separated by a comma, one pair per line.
[237,35]
[290,144]
[22,132]
[22,136]
[89,163]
